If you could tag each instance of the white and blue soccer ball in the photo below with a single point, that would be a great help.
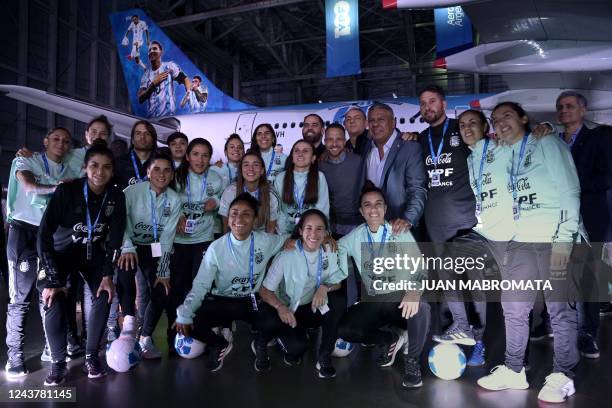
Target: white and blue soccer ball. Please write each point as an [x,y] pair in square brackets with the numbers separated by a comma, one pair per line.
[447,361]
[123,354]
[188,347]
[342,348]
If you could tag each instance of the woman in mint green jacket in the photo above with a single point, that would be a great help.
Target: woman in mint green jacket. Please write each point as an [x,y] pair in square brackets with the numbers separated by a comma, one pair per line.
[300,292]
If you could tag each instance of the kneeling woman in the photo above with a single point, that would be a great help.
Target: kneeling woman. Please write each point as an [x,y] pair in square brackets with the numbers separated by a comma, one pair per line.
[236,264]
[81,232]
[153,211]
[301,292]
[403,310]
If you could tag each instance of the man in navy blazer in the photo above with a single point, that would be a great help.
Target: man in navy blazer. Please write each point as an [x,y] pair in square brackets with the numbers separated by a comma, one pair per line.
[592,153]
[395,166]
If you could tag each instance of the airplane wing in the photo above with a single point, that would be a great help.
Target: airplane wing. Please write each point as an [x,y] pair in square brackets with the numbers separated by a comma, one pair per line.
[82,111]
[541,20]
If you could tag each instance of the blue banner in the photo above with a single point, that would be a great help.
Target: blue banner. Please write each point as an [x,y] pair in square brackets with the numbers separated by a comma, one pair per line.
[161,80]
[342,22]
[453,31]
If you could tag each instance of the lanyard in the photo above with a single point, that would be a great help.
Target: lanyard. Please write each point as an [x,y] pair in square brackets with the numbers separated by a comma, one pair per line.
[482,162]
[136,172]
[203,187]
[435,157]
[254,194]
[299,200]
[319,264]
[154,212]
[251,256]
[91,228]
[382,241]
[513,172]
[271,163]
[46,163]
[229,170]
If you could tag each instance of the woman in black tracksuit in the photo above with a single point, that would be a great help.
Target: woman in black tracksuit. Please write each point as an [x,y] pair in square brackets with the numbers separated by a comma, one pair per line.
[81,232]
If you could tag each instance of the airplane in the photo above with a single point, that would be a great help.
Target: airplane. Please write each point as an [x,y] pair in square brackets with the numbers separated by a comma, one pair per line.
[219,115]
[540,48]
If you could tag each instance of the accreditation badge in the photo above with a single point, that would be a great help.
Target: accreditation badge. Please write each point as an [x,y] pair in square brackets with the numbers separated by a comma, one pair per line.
[189,226]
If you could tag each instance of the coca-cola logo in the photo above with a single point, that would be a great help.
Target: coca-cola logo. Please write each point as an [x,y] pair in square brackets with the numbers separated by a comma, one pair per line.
[80,227]
[146,227]
[444,158]
[521,184]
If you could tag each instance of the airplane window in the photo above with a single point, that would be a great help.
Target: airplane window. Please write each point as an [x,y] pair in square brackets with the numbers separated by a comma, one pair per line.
[402,120]
[301,124]
[276,126]
[284,125]
[292,125]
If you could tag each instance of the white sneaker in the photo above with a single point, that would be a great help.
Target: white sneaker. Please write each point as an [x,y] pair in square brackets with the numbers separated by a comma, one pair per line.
[129,327]
[503,378]
[149,351]
[227,334]
[557,387]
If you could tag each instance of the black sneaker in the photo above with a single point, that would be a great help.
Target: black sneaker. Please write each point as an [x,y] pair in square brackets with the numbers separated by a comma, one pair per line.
[292,361]
[387,352]
[588,346]
[217,354]
[325,367]
[541,332]
[262,361]
[605,309]
[15,369]
[57,374]
[412,373]
[94,368]
[74,347]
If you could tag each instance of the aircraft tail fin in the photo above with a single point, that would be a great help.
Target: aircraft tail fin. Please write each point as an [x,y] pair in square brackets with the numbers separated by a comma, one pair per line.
[162,90]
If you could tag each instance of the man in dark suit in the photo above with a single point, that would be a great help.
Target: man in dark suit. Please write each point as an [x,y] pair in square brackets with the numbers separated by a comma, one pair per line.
[592,153]
[396,166]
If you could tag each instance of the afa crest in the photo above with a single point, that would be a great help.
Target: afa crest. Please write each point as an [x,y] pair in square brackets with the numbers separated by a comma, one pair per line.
[259,256]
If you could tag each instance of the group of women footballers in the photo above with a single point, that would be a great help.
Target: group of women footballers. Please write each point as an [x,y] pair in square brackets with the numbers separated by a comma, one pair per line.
[275,267]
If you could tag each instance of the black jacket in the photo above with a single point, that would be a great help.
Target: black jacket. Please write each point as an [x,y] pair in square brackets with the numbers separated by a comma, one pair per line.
[592,153]
[63,229]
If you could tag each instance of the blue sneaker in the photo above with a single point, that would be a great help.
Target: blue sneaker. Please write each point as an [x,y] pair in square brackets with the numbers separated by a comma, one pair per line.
[477,357]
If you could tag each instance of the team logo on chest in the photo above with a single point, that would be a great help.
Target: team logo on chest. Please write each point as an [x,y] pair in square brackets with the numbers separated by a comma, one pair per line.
[277,161]
[527,162]
[490,157]
[259,256]
[454,141]
[210,190]
[109,209]
[325,263]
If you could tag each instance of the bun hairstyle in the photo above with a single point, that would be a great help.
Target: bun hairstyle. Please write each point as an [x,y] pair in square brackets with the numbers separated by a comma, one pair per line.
[183,169]
[517,108]
[300,225]
[162,155]
[369,187]
[99,147]
[247,199]
[480,115]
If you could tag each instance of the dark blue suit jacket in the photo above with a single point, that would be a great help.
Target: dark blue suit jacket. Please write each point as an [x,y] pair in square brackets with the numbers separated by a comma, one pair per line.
[592,153]
[404,179]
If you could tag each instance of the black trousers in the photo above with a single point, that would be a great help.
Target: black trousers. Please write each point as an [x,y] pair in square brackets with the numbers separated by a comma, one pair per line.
[364,323]
[294,340]
[23,271]
[184,265]
[56,321]
[159,300]
[221,311]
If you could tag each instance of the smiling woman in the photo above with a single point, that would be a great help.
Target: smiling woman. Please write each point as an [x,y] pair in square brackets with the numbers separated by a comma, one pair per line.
[301,186]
